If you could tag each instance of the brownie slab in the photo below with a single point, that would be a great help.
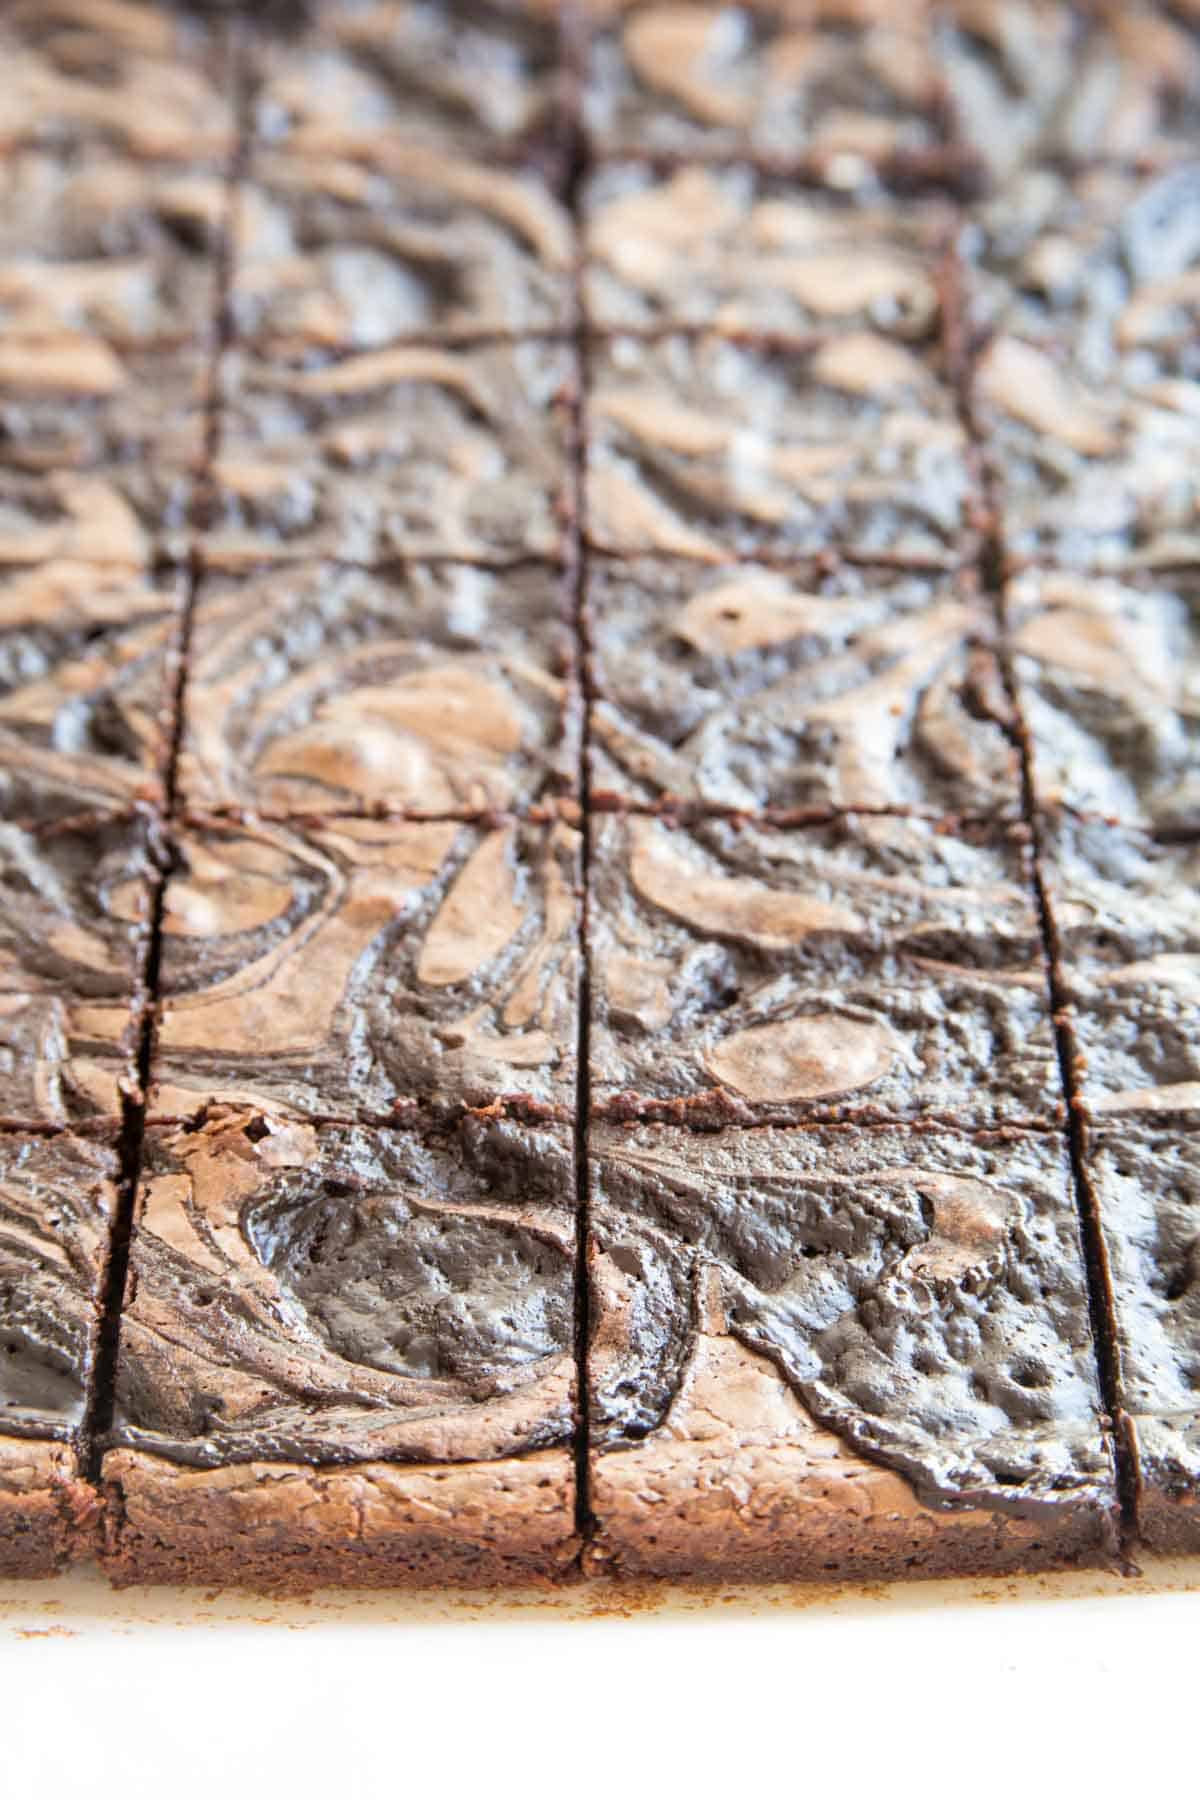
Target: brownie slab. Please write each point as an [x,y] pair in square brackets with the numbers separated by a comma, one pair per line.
[57,1203]
[73,927]
[705,448]
[737,251]
[1092,474]
[112,247]
[84,74]
[350,967]
[1127,918]
[756,688]
[1108,675]
[454,74]
[334,253]
[868,966]
[1145,1175]
[413,451]
[847,89]
[84,657]
[87,432]
[319,1317]
[425,689]
[822,1352]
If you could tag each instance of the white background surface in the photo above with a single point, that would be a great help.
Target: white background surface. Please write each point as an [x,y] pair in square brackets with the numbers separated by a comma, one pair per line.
[1055,1686]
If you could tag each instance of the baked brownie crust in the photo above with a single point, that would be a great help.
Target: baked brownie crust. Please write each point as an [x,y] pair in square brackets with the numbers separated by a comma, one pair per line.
[289,1527]
[49,1517]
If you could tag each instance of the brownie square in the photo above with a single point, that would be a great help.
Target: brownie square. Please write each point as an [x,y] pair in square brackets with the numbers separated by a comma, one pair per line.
[1043,80]
[1146,1179]
[1101,474]
[344,969]
[84,657]
[846,88]
[346,1354]
[705,448]
[1127,917]
[432,689]
[412,451]
[734,250]
[822,1352]
[74,922]
[753,688]
[112,247]
[1104,262]
[97,434]
[144,77]
[455,74]
[58,1197]
[870,966]
[338,254]
[1107,677]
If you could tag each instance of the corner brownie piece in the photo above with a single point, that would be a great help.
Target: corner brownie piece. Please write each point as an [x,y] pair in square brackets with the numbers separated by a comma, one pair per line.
[433,689]
[1126,913]
[847,87]
[74,917]
[333,253]
[1107,676]
[705,448]
[57,1203]
[345,968]
[738,251]
[146,76]
[756,688]
[482,75]
[412,451]
[346,1356]
[871,966]
[841,1352]
[1145,1175]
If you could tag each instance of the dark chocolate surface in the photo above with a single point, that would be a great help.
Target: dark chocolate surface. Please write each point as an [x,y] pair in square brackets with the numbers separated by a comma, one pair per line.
[431,689]
[347,967]
[873,964]
[757,688]
[923,1292]
[57,1202]
[334,1294]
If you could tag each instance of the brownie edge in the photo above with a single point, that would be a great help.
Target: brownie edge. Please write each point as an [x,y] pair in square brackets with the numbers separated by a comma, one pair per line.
[290,1527]
[48,1514]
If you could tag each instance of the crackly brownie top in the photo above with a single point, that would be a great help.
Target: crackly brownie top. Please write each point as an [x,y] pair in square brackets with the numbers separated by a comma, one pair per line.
[702,447]
[147,78]
[753,687]
[428,689]
[336,1294]
[57,1202]
[415,451]
[453,73]
[1127,914]
[740,251]
[922,1291]
[1108,674]
[870,964]
[848,87]
[1146,1177]
[342,968]
[346,254]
